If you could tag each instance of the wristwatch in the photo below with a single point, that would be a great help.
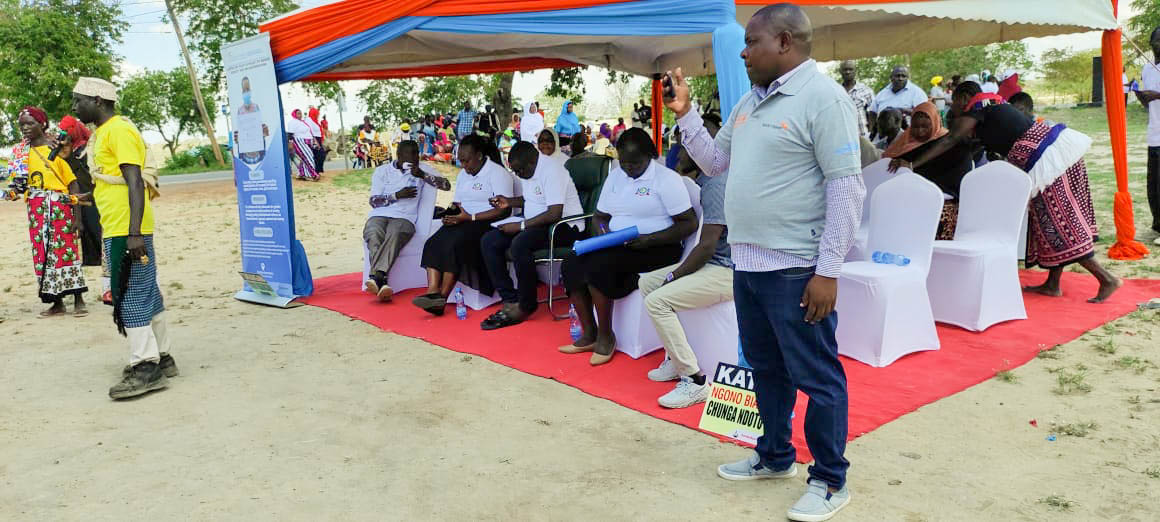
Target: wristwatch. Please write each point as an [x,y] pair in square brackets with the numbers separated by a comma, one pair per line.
[522,225]
[669,277]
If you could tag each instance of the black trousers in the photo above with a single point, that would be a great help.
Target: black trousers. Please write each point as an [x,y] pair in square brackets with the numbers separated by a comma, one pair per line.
[495,246]
[616,271]
[319,158]
[1154,186]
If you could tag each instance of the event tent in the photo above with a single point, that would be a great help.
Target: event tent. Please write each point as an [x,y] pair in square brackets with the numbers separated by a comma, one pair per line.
[376,39]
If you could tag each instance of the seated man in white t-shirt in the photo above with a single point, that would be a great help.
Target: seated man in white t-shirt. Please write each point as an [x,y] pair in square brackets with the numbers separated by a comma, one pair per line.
[548,195]
[395,190]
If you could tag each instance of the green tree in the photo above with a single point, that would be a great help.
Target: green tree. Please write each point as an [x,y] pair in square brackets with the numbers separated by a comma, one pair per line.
[326,92]
[1069,72]
[163,101]
[214,23]
[567,84]
[875,72]
[47,44]
[1147,18]
[406,100]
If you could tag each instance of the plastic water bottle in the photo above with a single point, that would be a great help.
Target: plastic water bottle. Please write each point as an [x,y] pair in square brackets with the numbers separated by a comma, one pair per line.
[887,258]
[574,329]
[460,308]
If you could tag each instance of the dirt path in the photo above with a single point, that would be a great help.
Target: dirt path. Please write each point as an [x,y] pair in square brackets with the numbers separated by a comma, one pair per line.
[307,415]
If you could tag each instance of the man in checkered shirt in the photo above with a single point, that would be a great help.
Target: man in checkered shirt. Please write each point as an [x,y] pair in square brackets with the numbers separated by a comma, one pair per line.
[466,121]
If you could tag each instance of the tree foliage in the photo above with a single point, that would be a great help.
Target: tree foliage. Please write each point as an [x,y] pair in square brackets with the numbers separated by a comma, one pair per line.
[1147,18]
[875,72]
[47,44]
[406,100]
[567,84]
[163,101]
[326,92]
[1069,72]
[214,23]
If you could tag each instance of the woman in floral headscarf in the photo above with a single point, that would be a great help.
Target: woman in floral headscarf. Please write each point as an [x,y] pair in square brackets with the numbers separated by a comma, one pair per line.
[48,188]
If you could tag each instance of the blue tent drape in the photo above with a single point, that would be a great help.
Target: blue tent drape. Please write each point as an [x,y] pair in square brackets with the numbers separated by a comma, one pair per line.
[640,18]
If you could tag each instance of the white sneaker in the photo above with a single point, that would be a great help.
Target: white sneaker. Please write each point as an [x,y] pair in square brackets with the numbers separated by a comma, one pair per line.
[818,504]
[667,371]
[687,393]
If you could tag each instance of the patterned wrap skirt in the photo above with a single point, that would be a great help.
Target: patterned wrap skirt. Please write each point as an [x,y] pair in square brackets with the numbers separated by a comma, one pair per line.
[1061,226]
[56,255]
[141,300]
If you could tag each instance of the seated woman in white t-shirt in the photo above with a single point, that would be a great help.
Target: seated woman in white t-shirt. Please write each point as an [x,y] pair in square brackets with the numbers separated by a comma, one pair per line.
[452,254]
[643,193]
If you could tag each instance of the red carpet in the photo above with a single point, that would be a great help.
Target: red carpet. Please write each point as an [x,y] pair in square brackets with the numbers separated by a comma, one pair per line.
[877,395]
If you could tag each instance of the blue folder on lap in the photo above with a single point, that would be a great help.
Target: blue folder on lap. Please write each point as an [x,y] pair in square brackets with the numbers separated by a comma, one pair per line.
[609,240]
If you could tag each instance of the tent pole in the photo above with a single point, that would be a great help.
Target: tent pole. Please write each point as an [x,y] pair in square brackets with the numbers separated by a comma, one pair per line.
[1126,246]
[658,106]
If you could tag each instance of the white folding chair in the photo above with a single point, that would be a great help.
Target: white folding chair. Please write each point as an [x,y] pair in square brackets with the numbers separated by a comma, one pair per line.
[635,333]
[883,309]
[974,279]
[406,272]
[872,176]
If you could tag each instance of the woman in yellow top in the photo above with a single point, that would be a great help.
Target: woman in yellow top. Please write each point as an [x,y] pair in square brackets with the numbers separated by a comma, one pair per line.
[47,187]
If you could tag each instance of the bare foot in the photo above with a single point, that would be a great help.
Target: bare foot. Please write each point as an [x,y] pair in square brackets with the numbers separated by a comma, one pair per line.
[57,309]
[605,346]
[80,310]
[1044,289]
[1107,288]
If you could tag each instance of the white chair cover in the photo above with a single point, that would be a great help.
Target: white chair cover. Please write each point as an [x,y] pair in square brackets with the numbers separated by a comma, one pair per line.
[883,310]
[635,333]
[406,273]
[873,175]
[974,279]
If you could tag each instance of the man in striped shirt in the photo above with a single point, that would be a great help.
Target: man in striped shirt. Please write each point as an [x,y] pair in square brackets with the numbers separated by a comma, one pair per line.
[793,202]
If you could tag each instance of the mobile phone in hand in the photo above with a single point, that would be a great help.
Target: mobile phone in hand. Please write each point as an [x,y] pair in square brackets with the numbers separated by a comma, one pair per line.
[667,89]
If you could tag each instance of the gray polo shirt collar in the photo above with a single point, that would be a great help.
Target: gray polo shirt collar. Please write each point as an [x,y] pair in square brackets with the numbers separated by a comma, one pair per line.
[789,83]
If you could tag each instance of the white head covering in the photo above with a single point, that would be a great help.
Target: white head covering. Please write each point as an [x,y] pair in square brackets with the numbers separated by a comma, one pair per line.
[96,87]
[531,124]
[973,78]
[297,127]
[559,154]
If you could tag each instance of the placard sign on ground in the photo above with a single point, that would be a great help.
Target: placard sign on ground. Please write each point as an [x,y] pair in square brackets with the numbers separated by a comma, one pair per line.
[731,410]
[261,172]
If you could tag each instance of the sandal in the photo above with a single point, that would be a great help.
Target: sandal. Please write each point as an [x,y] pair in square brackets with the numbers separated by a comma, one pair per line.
[49,313]
[499,320]
[80,312]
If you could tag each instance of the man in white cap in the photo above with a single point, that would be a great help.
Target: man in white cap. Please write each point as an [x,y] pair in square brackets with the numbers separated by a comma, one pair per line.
[122,194]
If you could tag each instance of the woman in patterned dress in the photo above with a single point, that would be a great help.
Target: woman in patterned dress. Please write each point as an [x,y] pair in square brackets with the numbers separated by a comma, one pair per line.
[47,187]
[1061,222]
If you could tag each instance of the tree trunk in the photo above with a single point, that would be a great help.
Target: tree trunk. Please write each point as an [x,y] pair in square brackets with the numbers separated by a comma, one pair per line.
[502,99]
[205,118]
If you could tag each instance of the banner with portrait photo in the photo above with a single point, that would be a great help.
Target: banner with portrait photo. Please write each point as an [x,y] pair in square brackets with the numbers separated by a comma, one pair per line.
[262,171]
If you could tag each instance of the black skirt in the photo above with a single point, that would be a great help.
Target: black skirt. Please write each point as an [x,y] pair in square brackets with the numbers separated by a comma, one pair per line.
[455,250]
[91,244]
[616,271]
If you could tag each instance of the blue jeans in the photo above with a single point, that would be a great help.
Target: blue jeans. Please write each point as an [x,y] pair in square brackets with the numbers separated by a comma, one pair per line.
[787,354]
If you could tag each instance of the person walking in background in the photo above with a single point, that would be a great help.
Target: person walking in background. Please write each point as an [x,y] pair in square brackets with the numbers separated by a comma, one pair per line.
[792,203]
[466,121]
[48,187]
[1149,97]
[301,140]
[567,125]
[618,130]
[862,95]
[316,133]
[124,199]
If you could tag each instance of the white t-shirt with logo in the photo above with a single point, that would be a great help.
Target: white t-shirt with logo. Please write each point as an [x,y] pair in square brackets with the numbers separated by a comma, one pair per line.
[648,202]
[386,180]
[474,193]
[1150,81]
[550,185]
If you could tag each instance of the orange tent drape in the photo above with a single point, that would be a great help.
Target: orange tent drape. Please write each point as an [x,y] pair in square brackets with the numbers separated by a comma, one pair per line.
[1126,246]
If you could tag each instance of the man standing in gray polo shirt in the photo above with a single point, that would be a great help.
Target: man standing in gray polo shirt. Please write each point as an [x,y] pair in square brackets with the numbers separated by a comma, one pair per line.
[792,204]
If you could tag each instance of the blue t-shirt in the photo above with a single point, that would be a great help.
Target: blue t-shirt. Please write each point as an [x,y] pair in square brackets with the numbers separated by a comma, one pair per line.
[713,213]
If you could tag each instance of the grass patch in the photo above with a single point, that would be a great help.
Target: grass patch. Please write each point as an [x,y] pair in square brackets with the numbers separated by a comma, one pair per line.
[1075,429]
[1007,376]
[197,169]
[354,179]
[1058,502]
[1136,364]
[1071,382]
[1153,472]
[1107,346]
[176,285]
[1049,353]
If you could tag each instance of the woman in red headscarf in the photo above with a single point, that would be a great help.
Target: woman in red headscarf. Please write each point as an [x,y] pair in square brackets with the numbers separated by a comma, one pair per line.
[74,151]
[48,186]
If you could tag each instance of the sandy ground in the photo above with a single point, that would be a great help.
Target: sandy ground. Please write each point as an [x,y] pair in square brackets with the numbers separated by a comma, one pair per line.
[304,414]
